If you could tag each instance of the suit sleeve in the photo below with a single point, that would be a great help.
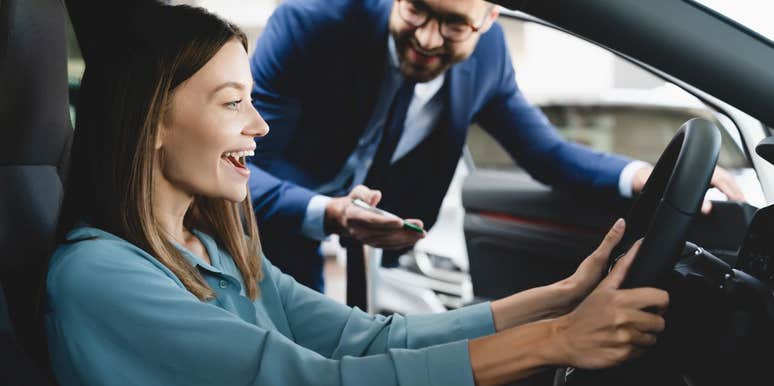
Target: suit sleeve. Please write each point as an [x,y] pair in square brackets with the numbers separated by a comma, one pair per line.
[278,203]
[283,58]
[527,135]
[116,319]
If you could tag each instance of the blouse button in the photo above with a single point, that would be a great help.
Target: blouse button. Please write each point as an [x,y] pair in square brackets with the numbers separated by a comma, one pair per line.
[223,284]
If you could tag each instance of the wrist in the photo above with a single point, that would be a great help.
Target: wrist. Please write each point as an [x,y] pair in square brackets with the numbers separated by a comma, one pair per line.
[568,295]
[513,354]
[334,211]
[556,352]
[534,304]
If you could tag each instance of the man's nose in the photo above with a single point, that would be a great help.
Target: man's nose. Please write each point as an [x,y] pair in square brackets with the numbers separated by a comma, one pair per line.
[429,36]
[257,127]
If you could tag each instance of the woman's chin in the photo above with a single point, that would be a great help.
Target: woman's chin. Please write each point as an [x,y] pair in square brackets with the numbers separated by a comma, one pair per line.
[237,198]
[235,195]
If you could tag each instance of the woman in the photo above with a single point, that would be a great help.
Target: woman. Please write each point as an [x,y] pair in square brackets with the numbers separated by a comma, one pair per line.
[159,279]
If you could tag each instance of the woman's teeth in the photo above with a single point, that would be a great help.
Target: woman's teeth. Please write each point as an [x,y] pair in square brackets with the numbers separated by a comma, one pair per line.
[237,158]
[239,154]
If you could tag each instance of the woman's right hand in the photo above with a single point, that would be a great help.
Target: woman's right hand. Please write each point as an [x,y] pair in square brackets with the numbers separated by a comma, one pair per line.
[610,326]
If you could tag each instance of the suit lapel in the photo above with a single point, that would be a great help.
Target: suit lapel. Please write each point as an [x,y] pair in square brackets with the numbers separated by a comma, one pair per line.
[368,77]
[459,102]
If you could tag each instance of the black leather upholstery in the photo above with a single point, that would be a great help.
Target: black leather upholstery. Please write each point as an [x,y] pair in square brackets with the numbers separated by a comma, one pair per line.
[34,140]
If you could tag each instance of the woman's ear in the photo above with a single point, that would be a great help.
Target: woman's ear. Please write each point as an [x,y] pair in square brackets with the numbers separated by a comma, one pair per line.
[163,129]
[160,133]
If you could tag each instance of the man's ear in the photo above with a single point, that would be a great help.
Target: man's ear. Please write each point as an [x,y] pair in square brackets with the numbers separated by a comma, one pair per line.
[491,16]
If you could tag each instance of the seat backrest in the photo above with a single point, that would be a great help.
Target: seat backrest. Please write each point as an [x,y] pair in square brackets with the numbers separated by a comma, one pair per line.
[35,133]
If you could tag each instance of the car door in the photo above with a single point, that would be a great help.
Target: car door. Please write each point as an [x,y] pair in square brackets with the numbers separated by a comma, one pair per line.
[521,233]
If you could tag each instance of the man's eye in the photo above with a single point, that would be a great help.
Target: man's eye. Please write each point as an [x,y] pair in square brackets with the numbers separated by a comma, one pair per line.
[233,105]
[416,7]
[457,27]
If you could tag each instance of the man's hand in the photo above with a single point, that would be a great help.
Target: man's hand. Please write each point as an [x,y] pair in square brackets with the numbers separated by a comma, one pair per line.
[721,179]
[379,231]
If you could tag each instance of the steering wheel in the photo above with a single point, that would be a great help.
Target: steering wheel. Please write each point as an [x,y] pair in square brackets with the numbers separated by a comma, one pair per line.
[664,210]
[668,202]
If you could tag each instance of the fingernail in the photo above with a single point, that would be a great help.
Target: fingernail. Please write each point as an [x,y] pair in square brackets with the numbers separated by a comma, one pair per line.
[618,224]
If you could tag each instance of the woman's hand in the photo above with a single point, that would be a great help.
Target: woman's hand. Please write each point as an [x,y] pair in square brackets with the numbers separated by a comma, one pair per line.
[591,269]
[610,326]
[606,328]
[557,299]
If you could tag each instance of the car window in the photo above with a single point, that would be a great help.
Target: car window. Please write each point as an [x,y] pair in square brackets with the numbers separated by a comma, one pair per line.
[597,99]
[752,14]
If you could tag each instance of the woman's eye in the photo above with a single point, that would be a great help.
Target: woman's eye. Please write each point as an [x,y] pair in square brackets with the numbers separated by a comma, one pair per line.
[233,105]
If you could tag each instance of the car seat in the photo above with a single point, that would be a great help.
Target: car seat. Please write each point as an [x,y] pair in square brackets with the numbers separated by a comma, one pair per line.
[35,134]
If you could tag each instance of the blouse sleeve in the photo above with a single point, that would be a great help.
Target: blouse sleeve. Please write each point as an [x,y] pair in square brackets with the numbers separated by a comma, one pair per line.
[335,330]
[116,318]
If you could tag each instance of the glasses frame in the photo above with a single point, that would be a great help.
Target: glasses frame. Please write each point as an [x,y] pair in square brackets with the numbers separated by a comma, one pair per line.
[439,18]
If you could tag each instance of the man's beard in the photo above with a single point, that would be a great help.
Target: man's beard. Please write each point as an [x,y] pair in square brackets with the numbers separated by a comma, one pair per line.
[439,60]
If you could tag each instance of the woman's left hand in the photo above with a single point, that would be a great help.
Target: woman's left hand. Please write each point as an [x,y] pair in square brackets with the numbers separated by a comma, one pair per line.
[591,269]
[561,297]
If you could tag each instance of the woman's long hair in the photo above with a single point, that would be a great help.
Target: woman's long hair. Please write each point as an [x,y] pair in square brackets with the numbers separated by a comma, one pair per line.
[125,92]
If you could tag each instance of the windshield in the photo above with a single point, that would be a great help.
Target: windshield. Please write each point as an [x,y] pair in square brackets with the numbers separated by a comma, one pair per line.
[753,14]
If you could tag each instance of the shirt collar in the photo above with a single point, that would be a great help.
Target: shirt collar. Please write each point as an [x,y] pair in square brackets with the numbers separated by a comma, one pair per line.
[209,246]
[83,231]
[426,89]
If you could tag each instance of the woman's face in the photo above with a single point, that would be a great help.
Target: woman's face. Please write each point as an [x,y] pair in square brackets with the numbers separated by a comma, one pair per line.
[208,131]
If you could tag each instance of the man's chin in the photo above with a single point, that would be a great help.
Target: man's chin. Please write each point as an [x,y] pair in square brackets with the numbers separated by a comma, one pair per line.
[421,74]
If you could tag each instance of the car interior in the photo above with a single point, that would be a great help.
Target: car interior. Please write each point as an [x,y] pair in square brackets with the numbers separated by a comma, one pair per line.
[718,268]
[35,134]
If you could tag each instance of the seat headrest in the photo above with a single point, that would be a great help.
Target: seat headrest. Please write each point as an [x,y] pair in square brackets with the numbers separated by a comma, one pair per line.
[35,123]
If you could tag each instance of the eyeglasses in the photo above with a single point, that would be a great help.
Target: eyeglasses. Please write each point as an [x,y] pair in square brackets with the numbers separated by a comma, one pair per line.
[452,28]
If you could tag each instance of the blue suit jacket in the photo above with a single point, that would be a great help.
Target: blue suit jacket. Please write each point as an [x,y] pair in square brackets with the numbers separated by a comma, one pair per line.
[317,68]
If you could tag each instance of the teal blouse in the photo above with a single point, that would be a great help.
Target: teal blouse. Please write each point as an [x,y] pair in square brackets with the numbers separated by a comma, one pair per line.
[117,316]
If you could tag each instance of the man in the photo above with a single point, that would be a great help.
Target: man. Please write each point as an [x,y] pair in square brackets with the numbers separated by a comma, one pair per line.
[381,93]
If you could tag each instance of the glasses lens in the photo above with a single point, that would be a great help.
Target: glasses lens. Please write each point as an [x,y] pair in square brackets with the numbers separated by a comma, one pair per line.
[412,13]
[455,31]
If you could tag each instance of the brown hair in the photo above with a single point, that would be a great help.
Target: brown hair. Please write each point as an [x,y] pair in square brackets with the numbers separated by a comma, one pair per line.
[125,93]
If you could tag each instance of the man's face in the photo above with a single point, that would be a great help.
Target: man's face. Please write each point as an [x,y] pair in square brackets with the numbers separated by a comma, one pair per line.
[422,51]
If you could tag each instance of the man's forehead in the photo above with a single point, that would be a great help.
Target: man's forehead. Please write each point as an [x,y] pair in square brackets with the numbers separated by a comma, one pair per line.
[470,8]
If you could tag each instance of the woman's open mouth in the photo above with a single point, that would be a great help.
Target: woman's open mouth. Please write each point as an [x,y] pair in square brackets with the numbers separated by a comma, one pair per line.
[238,159]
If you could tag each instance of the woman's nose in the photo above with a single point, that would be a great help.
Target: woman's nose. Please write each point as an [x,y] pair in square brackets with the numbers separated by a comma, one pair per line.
[257,127]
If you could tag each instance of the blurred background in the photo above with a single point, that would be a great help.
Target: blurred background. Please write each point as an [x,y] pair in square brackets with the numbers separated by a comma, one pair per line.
[602,101]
